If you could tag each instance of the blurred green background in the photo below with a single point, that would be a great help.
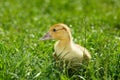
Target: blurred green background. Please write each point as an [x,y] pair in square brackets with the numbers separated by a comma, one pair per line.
[95,24]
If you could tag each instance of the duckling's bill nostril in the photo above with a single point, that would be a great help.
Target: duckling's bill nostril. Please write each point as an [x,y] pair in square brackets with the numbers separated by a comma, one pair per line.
[46,36]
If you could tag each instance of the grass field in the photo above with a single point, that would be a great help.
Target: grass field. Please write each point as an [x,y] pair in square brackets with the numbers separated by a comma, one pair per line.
[95,24]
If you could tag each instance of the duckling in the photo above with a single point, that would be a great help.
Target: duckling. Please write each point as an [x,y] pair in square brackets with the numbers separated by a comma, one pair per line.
[65,48]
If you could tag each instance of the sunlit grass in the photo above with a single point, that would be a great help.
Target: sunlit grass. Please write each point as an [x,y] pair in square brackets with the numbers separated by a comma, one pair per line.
[94,24]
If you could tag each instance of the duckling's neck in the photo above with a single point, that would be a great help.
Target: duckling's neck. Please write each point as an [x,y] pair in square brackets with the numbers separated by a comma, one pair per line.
[62,46]
[65,42]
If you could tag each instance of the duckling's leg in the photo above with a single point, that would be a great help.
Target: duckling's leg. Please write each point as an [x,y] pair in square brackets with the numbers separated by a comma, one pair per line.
[55,56]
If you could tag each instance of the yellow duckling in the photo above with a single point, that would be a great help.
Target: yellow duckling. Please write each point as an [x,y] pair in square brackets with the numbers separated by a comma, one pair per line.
[65,48]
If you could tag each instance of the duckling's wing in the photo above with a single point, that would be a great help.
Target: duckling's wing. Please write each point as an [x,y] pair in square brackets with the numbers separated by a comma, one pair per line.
[86,53]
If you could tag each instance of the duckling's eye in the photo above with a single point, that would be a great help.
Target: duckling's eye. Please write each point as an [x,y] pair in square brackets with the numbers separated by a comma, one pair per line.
[54,30]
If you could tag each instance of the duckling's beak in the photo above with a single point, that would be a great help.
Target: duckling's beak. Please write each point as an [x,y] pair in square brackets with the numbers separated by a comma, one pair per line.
[46,36]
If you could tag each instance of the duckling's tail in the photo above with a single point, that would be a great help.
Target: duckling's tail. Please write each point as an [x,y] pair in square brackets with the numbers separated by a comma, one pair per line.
[86,54]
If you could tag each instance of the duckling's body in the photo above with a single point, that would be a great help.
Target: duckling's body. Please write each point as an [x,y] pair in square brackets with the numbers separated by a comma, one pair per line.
[65,48]
[68,51]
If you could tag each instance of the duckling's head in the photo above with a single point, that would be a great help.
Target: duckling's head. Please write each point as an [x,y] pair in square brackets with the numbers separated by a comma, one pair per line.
[58,31]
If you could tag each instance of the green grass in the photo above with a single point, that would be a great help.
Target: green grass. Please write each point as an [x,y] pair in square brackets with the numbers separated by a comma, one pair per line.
[94,24]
